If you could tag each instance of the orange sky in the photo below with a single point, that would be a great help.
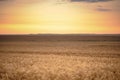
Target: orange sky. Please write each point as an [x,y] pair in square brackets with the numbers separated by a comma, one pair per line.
[62,17]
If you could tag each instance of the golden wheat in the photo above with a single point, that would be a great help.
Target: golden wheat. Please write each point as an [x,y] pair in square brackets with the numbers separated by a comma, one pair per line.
[59,61]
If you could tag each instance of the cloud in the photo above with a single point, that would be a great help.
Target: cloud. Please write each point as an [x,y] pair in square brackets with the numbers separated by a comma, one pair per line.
[90,0]
[28,1]
[103,9]
[21,1]
[3,0]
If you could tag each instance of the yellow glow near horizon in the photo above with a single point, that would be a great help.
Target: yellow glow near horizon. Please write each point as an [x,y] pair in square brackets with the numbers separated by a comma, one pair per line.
[35,29]
[62,19]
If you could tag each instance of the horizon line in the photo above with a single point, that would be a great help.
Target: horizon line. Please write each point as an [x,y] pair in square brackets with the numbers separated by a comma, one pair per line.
[65,34]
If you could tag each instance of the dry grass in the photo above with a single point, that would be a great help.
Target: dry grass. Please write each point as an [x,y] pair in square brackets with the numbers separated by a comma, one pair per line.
[62,60]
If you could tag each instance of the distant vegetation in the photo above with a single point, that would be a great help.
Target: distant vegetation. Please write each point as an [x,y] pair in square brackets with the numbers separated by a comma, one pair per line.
[61,37]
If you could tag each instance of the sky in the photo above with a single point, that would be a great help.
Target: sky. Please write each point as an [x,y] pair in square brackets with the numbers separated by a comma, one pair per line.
[59,16]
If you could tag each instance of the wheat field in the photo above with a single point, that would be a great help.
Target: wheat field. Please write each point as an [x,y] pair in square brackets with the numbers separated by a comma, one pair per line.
[66,59]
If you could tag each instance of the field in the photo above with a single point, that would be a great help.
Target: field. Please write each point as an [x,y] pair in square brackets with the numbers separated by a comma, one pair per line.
[60,57]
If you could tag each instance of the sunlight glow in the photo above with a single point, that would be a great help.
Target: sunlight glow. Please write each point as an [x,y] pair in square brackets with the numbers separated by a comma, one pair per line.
[59,18]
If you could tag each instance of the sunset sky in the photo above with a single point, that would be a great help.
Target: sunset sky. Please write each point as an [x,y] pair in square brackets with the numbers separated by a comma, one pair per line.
[59,16]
